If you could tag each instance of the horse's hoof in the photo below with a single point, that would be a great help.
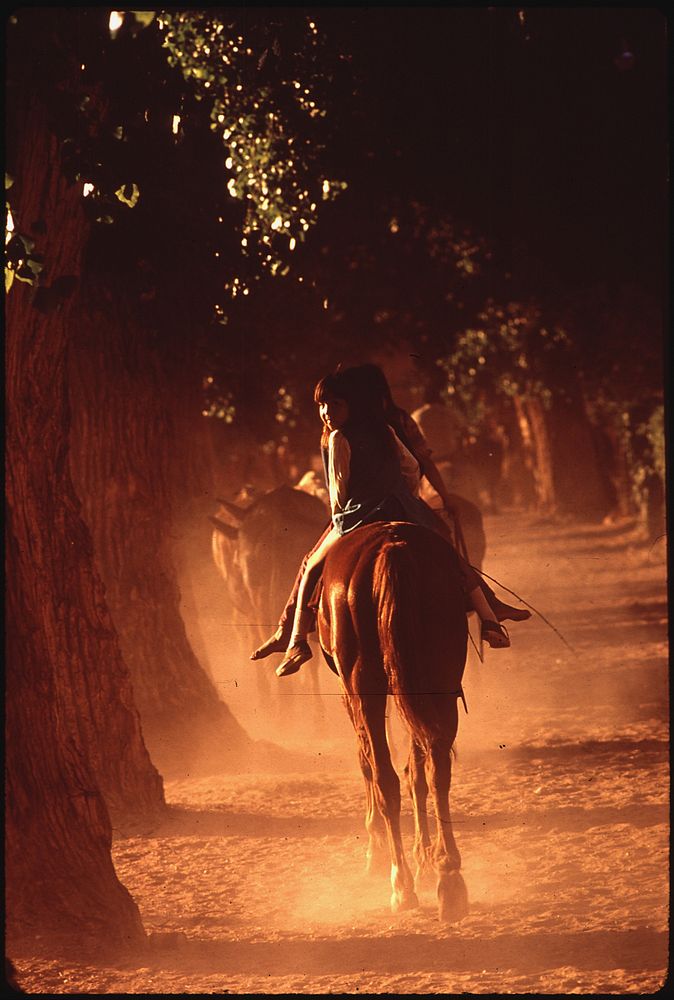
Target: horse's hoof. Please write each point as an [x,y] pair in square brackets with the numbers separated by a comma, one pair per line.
[403,900]
[452,898]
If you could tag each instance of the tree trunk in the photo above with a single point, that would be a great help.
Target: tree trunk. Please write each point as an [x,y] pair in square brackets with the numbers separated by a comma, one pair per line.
[620,467]
[517,481]
[582,485]
[536,438]
[124,443]
[73,730]
[61,888]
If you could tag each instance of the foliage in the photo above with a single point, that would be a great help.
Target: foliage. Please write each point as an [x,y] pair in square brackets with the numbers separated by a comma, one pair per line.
[619,333]
[397,274]
[511,352]
[262,364]
[266,82]
[643,439]
[158,79]
[654,429]
[21,262]
[581,349]
[387,275]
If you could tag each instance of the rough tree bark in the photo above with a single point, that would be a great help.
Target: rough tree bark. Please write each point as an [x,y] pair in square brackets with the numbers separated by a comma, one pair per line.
[124,446]
[75,742]
[61,887]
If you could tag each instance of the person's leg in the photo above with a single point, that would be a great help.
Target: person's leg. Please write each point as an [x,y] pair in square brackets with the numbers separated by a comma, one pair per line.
[488,606]
[490,630]
[498,610]
[501,610]
[278,642]
[299,651]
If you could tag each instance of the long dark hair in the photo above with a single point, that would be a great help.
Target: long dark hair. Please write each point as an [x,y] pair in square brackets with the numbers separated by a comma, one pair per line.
[374,384]
[366,407]
[328,387]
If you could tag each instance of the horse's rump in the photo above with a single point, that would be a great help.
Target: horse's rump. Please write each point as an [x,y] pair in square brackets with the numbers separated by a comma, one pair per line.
[399,624]
[421,626]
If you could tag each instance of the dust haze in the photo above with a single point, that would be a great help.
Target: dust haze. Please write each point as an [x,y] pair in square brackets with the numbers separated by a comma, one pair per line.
[256,881]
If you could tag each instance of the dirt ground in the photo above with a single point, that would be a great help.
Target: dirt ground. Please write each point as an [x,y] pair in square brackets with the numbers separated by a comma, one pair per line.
[255,882]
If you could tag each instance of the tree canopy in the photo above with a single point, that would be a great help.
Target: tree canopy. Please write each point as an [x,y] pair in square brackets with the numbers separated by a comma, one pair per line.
[211,146]
[128,91]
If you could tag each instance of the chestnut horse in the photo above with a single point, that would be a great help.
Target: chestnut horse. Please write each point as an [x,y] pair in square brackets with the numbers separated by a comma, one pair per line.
[392,620]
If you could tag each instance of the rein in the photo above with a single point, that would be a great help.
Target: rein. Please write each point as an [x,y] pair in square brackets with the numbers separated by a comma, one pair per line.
[463,550]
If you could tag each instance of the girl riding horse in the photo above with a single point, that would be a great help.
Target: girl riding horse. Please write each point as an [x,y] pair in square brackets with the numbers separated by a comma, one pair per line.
[372,476]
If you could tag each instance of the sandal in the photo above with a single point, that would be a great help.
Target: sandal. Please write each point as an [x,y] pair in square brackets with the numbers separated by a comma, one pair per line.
[295,657]
[494,635]
[273,645]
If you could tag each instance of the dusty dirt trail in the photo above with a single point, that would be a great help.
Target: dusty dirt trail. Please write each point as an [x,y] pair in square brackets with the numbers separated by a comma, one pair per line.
[255,882]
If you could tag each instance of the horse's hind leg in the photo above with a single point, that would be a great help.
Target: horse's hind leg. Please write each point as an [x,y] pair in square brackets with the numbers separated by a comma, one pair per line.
[418,786]
[376,855]
[386,787]
[452,894]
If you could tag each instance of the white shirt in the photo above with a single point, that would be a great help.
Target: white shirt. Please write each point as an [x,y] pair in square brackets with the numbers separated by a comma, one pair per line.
[339,464]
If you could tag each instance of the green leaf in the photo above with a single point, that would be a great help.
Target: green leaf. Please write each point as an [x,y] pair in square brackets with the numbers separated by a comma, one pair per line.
[129,194]
[144,17]
[8,181]
[9,278]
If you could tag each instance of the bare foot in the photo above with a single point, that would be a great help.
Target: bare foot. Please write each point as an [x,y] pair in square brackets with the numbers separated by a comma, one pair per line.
[506,611]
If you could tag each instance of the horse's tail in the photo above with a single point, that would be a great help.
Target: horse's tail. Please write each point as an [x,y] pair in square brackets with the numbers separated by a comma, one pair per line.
[421,636]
